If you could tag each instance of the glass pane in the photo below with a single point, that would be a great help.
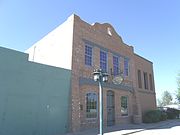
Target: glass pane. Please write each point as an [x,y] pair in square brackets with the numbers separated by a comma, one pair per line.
[103,61]
[126,67]
[91,105]
[116,65]
[88,55]
[124,105]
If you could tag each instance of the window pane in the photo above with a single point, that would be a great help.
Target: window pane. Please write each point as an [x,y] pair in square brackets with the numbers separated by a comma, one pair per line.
[150,82]
[103,61]
[139,79]
[126,67]
[91,105]
[124,105]
[88,55]
[115,65]
[145,80]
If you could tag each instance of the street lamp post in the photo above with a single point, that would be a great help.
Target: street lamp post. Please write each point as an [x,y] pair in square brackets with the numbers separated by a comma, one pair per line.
[100,76]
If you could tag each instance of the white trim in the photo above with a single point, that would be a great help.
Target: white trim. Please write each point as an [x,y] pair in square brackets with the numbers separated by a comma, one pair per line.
[127,106]
[86,106]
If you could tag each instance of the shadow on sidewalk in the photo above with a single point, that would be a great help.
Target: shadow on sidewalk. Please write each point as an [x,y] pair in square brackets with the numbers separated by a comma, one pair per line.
[127,129]
[133,128]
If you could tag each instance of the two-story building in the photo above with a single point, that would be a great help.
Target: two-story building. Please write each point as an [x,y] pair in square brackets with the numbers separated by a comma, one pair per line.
[82,47]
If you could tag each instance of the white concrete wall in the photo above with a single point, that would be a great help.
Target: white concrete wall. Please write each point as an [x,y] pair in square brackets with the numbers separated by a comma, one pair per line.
[55,49]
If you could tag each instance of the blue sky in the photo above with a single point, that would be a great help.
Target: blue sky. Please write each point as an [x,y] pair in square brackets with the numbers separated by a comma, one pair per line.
[151,26]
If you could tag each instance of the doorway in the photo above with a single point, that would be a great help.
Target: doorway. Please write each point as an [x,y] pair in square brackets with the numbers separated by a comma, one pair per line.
[110,108]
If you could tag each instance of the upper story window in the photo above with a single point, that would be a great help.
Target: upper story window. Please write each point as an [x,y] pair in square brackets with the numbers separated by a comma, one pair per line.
[91,105]
[126,67]
[103,60]
[124,105]
[88,55]
[150,82]
[145,80]
[139,79]
[115,65]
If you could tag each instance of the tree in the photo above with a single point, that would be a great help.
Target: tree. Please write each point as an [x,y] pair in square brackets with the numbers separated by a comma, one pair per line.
[159,103]
[166,99]
[178,89]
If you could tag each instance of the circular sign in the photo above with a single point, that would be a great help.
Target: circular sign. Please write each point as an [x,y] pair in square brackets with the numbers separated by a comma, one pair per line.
[117,79]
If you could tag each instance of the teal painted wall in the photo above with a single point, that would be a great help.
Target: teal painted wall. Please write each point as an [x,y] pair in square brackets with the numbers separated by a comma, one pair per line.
[34,98]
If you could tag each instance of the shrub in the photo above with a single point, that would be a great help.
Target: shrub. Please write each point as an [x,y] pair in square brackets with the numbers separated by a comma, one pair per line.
[152,116]
[172,113]
[163,116]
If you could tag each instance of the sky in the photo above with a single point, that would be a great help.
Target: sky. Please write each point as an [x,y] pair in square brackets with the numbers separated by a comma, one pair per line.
[151,26]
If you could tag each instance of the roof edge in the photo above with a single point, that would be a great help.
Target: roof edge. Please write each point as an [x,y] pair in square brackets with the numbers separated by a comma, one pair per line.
[143,58]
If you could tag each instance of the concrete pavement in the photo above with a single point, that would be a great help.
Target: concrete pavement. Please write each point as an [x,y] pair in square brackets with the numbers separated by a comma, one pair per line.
[171,128]
[126,129]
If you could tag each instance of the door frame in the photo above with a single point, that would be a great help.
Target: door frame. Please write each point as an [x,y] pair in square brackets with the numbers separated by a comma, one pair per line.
[112,107]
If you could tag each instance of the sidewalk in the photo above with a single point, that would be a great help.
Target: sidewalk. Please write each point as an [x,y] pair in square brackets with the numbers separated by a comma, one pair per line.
[124,129]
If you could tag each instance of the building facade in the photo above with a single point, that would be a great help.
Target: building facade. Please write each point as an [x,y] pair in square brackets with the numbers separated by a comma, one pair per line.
[81,47]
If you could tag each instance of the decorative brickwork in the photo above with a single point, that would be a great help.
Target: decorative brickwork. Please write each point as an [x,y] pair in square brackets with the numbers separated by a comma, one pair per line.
[101,37]
[97,36]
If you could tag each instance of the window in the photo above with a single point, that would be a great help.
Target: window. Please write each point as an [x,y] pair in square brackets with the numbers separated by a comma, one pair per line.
[88,55]
[150,82]
[126,67]
[145,80]
[103,61]
[115,65]
[91,105]
[124,105]
[139,79]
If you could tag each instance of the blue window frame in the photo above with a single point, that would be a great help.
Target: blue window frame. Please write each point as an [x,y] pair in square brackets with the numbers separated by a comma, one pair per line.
[103,61]
[88,55]
[126,67]
[115,65]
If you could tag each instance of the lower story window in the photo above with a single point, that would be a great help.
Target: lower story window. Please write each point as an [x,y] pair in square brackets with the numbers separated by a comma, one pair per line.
[91,105]
[124,105]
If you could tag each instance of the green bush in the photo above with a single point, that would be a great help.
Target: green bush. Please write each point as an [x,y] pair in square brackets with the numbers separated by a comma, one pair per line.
[172,113]
[152,116]
[163,116]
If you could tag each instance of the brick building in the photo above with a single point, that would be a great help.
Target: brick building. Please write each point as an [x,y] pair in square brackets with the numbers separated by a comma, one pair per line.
[81,47]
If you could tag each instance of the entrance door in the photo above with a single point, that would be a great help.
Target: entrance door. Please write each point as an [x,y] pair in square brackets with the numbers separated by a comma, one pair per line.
[110,108]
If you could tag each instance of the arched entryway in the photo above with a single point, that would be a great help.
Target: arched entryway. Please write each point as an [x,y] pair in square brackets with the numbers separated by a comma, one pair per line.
[110,108]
